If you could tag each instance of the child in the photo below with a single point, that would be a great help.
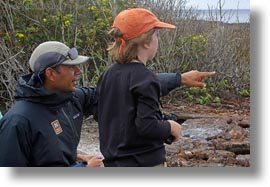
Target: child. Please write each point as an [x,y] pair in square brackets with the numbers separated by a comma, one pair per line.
[132,132]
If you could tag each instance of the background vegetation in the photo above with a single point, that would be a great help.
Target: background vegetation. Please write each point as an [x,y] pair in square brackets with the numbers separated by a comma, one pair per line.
[195,44]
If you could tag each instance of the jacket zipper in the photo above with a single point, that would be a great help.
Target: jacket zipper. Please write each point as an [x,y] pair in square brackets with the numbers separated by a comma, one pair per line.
[75,134]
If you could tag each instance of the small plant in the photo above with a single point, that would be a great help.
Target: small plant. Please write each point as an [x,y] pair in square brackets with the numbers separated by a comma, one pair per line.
[217,100]
[200,95]
[244,93]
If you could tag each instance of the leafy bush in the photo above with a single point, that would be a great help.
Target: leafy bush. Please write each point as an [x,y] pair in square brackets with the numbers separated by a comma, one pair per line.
[194,44]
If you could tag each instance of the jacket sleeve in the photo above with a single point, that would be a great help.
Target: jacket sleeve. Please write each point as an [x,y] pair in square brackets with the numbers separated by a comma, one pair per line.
[15,142]
[148,119]
[168,82]
[88,100]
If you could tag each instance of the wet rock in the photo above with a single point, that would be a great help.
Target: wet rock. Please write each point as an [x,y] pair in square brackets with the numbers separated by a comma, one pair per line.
[237,147]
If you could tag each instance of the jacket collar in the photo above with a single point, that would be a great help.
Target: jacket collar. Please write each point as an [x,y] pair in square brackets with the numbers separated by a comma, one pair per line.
[30,90]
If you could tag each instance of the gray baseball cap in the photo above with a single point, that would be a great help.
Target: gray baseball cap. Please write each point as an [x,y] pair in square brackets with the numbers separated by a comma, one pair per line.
[52,53]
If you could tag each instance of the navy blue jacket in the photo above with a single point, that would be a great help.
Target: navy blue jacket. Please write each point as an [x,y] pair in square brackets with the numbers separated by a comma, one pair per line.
[43,127]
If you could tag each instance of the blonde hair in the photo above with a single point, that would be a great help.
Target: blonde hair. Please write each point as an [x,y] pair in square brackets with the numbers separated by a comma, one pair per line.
[130,50]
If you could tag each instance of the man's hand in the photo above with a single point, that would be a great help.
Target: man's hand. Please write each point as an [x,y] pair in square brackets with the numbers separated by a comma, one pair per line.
[195,78]
[92,161]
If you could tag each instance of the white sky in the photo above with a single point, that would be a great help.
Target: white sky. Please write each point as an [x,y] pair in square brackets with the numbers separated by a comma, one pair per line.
[228,4]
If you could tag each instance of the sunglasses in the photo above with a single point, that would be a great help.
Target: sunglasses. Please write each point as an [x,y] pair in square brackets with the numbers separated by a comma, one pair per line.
[72,53]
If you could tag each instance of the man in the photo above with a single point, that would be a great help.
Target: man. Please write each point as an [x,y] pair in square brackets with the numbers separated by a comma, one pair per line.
[43,127]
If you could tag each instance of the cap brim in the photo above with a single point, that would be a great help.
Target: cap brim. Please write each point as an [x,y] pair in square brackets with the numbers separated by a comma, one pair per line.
[79,60]
[165,25]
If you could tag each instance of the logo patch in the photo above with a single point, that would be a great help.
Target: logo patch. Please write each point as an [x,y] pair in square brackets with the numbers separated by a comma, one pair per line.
[56,127]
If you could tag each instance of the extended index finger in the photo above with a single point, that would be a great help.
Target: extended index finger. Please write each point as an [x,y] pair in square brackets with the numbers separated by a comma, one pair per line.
[207,74]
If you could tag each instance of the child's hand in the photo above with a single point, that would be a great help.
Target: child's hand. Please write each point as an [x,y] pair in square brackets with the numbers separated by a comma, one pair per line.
[176,129]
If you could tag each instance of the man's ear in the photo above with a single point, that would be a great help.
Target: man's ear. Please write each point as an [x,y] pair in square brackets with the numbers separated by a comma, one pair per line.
[50,74]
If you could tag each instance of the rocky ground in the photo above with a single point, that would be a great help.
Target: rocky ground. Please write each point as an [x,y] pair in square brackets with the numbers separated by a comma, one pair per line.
[213,135]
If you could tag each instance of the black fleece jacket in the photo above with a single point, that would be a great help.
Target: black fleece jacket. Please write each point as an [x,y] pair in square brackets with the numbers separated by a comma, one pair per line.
[132,132]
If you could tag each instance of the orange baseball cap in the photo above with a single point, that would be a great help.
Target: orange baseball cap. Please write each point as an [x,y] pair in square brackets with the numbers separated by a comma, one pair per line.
[136,21]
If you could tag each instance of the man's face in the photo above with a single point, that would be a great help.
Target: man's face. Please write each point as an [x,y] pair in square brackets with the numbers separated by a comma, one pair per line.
[66,78]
